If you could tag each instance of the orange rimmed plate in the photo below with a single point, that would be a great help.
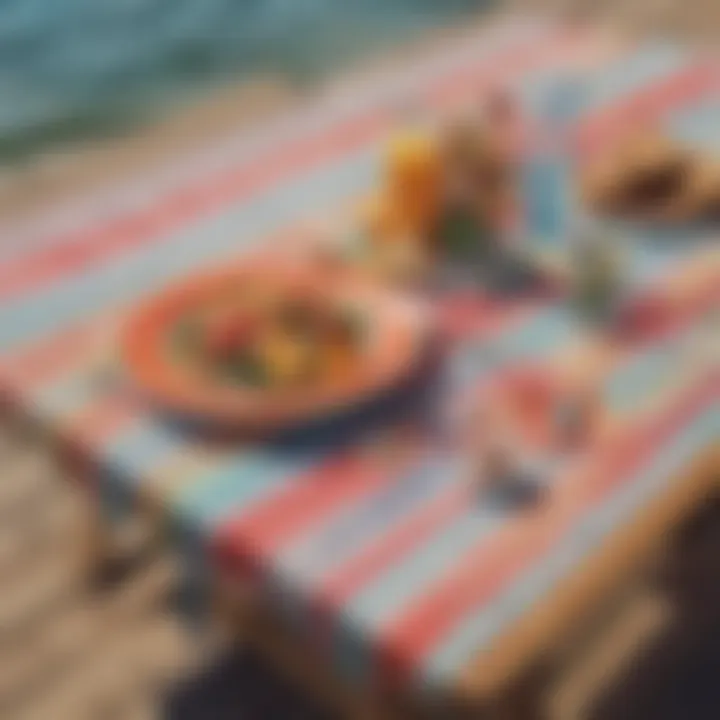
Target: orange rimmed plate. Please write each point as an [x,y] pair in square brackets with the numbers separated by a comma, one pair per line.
[397,329]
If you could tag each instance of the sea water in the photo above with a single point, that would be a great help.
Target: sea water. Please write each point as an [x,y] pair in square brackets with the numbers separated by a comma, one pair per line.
[67,66]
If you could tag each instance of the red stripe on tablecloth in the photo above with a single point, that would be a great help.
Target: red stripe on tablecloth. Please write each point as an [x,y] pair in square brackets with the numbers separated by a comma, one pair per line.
[277,520]
[100,244]
[78,437]
[48,358]
[494,563]
[272,533]
[95,424]
[378,557]
[51,357]
[542,55]
[682,88]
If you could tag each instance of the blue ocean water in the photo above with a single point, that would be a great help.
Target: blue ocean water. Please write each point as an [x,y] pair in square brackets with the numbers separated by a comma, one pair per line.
[68,66]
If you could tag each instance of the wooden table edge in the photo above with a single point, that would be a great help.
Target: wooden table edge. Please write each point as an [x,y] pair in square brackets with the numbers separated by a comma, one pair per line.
[501,672]
[492,673]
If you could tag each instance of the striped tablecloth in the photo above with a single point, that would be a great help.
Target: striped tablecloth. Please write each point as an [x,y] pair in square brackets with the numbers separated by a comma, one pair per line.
[379,549]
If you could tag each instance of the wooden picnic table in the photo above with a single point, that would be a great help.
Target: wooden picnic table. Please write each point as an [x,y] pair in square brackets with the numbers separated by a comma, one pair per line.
[376,558]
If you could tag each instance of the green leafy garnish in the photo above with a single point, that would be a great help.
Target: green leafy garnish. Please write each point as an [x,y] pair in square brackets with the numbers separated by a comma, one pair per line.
[246,369]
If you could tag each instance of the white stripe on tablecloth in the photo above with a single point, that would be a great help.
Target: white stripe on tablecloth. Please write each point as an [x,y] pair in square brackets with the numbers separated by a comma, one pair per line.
[340,104]
[479,630]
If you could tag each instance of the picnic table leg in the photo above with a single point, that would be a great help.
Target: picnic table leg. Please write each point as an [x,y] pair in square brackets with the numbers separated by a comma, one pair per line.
[115,532]
[526,699]
[198,595]
[96,541]
[231,605]
[237,607]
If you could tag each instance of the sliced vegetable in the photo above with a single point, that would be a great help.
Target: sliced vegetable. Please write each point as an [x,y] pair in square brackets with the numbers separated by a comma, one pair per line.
[246,369]
[227,335]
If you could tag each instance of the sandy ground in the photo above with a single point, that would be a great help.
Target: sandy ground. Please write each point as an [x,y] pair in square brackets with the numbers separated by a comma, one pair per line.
[696,21]
[39,182]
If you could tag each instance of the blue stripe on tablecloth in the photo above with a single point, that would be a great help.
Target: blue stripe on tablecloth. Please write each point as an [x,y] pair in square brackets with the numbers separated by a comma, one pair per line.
[698,126]
[136,449]
[207,239]
[619,76]
[142,447]
[144,268]
[139,447]
[650,61]
[316,555]
[227,490]
[216,496]
[645,371]
[231,486]
[658,65]
[61,398]
[345,102]
[389,593]
[521,341]
[477,631]
[146,275]
[653,248]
